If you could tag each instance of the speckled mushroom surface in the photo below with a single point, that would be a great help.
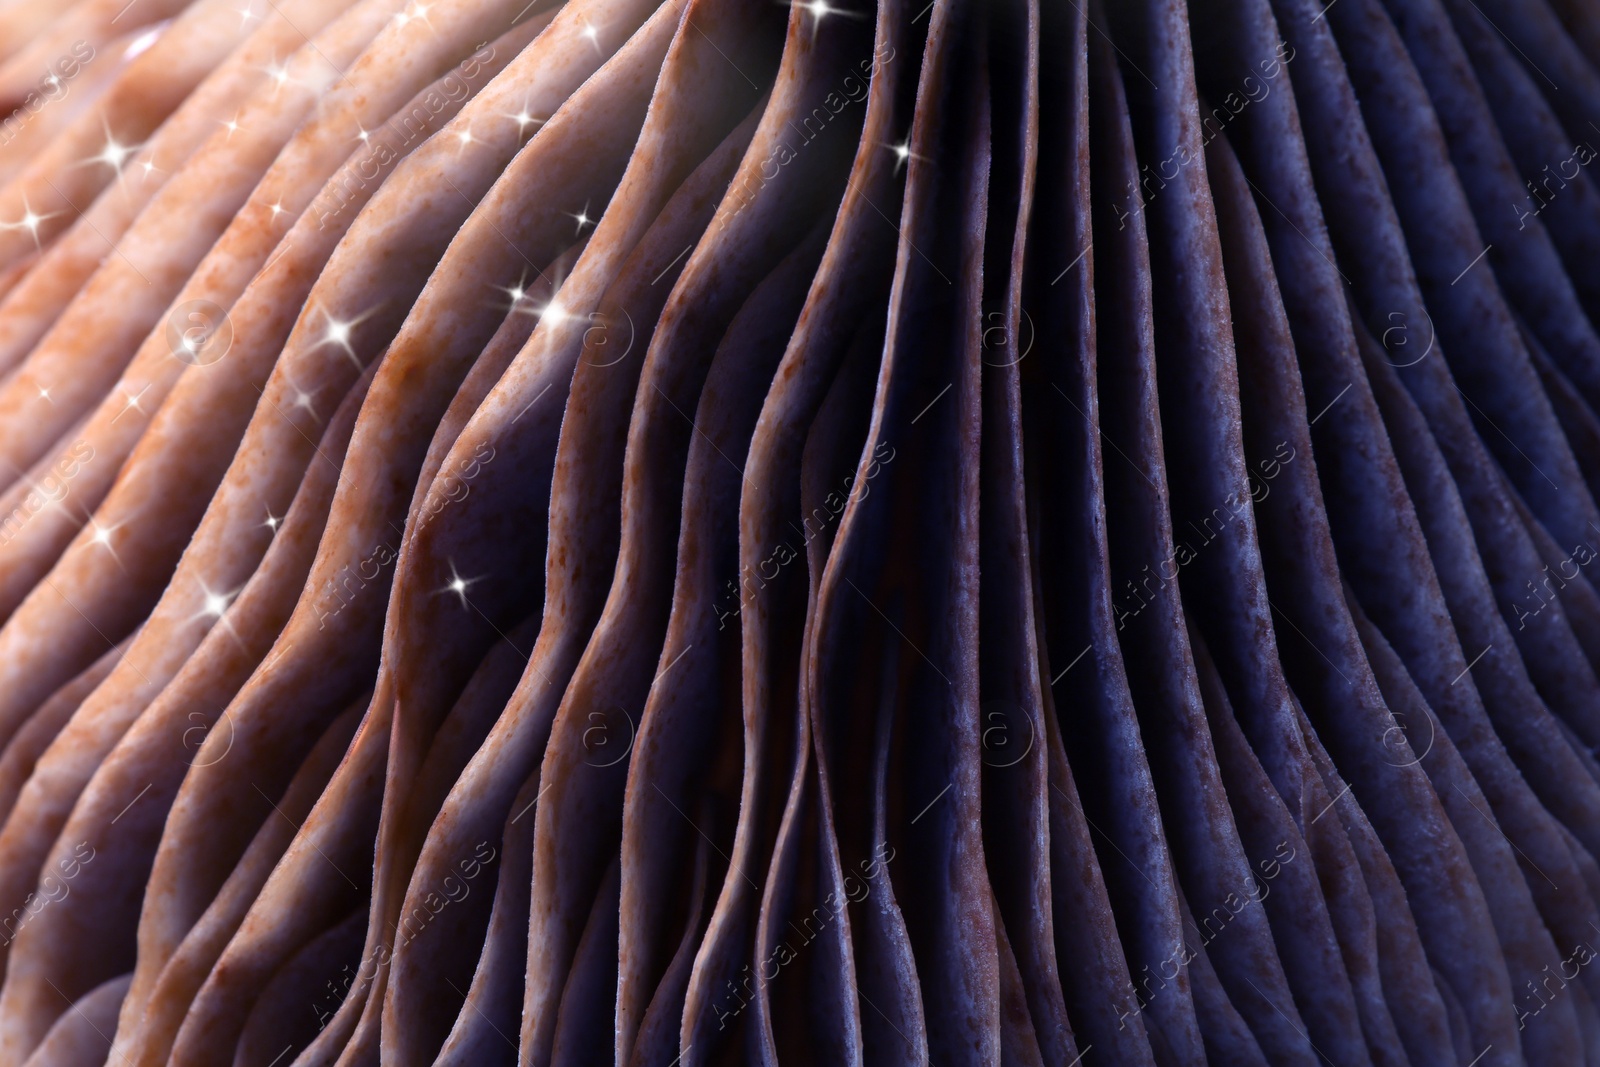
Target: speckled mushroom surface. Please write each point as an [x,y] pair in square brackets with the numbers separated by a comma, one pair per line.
[968,533]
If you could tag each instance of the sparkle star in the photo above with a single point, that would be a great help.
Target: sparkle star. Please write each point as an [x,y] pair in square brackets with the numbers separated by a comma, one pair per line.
[29,221]
[523,296]
[304,401]
[591,33]
[339,331]
[523,121]
[459,585]
[232,126]
[416,13]
[517,293]
[582,217]
[821,9]
[273,522]
[44,394]
[100,537]
[113,155]
[277,209]
[214,604]
[279,73]
[132,403]
[246,13]
[902,152]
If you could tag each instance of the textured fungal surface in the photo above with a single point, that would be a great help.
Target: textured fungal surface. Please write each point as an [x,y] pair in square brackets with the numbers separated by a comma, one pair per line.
[708,532]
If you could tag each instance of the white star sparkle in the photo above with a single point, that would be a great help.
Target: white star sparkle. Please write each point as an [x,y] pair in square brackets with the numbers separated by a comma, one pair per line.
[523,120]
[131,403]
[555,313]
[113,155]
[100,537]
[582,217]
[902,152]
[339,331]
[415,13]
[214,605]
[458,585]
[518,293]
[821,9]
[279,73]
[29,221]
[304,401]
[818,10]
